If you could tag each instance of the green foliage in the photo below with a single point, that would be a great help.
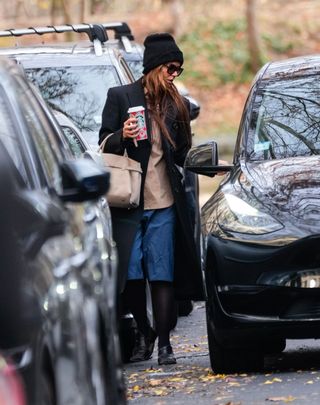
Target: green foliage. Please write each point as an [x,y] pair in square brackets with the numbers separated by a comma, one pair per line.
[216,53]
[277,44]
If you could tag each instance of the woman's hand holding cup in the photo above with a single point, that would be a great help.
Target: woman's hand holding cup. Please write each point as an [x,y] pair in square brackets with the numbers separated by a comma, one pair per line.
[131,129]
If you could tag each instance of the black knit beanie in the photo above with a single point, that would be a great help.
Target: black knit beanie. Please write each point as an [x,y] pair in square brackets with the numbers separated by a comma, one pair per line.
[159,49]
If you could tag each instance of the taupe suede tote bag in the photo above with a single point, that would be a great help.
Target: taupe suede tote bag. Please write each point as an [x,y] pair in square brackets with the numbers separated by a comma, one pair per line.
[125,181]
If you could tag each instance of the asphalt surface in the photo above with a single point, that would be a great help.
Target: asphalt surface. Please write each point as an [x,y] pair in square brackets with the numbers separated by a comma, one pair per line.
[290,377]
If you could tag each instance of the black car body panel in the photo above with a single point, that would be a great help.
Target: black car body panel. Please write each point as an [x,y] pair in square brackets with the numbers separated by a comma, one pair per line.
[69,268]
[261,227]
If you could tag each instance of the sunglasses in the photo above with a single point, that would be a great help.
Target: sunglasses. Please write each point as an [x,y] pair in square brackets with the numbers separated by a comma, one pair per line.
[174,69]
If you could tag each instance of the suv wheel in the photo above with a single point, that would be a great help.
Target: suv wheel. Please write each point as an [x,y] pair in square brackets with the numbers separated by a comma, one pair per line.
[225,360]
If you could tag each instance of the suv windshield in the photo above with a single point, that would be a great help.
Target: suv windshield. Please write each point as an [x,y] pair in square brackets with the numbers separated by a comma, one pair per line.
[78,91]
[285,120]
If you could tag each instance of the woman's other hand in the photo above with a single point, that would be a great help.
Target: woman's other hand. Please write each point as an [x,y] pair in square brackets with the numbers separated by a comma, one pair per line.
[223,163]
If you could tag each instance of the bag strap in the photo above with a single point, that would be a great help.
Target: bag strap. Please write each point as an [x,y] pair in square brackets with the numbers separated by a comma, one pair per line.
[103,143]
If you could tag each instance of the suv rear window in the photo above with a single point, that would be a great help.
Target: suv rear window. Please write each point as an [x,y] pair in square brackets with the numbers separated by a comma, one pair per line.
[78,91]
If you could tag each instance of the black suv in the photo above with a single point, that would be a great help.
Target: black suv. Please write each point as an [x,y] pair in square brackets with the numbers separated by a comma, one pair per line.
[65,257]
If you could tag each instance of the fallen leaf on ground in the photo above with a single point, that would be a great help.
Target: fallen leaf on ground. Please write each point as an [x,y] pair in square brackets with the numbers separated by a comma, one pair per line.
[160,392]
[273,381]
[176,379]
[233,403]
[283,399]
[154,383]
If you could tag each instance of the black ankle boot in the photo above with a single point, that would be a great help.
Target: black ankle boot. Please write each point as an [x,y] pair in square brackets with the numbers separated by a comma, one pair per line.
[166,356]
[149,343]
[144,346]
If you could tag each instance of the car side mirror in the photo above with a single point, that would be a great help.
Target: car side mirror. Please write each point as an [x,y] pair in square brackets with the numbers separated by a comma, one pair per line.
[203,159]
[194,107]
[83,180]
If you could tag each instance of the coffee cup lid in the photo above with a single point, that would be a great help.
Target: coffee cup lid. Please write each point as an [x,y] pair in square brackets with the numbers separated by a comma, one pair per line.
[136,109]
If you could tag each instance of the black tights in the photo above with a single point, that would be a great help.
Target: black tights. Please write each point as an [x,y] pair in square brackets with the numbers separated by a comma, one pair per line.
[162,304]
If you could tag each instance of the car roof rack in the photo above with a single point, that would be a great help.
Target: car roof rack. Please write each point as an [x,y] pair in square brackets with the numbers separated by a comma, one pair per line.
[96,32]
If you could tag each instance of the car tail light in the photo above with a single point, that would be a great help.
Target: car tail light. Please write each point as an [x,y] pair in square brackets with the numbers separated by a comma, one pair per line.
[11,386]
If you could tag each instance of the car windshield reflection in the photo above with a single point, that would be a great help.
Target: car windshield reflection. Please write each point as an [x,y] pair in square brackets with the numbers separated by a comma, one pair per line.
[78,91]
[285,120]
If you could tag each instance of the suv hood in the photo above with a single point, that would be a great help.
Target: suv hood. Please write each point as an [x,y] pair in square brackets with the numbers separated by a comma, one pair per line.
[292,185]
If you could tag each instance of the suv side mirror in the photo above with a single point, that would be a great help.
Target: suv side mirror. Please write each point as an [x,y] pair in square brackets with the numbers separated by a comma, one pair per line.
[83,180]
[203,159]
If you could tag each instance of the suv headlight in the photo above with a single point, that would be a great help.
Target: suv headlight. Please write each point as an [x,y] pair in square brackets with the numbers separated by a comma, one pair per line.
[237,215]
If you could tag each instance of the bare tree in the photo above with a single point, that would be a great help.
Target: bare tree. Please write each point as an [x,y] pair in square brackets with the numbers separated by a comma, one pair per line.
[253,36]
[54,11]
[82,10]
[20,9]
[66,7]
[176,9]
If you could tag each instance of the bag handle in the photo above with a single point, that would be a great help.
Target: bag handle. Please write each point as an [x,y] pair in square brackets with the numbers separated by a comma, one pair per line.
[103,143]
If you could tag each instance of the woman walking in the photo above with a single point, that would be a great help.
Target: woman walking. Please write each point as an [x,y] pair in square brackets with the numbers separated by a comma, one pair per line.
[155,241]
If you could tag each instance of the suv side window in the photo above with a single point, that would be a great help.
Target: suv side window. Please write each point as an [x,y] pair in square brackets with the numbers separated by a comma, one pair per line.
[136,68]
[9,138]
[40,129]
[74,142]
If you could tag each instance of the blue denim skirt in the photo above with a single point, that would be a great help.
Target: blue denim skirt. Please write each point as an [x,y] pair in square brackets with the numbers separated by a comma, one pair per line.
[152,254]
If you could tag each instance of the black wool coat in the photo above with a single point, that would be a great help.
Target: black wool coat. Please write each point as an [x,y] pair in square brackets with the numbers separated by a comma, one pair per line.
[187,274]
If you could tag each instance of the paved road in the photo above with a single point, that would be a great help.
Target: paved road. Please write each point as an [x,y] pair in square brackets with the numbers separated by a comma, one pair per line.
[292,377]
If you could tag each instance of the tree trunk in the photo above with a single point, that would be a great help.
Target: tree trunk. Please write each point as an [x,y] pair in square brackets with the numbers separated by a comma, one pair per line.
[66,6]
[20,10]
[66,11]
[82,15]
[177,14]
[53,11]
[255,58]
[176,11]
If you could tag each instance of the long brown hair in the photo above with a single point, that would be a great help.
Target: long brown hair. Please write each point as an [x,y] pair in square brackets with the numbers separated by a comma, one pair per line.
[163,98]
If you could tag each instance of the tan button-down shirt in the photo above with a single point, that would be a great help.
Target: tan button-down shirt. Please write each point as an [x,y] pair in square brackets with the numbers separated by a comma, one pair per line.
[157,189]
